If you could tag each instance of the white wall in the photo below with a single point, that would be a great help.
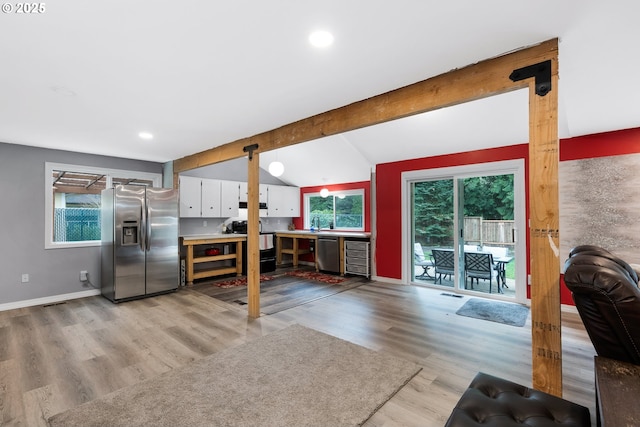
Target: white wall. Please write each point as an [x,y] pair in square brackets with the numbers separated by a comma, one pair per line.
[51,272]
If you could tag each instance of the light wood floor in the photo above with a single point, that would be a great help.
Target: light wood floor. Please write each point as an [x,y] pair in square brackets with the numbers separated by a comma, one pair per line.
[56,357]
[282,292]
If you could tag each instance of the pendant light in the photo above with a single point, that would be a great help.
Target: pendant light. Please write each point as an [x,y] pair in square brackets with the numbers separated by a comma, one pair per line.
[276,168]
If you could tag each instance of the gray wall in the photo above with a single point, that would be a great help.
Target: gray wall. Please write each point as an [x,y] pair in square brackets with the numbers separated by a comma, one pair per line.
[53,271]
[599,201]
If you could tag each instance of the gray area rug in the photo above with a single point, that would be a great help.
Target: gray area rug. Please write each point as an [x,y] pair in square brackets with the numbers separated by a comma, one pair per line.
[293,377]
[494,311]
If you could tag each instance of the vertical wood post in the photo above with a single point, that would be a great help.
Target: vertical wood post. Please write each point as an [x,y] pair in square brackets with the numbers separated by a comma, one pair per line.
[544,238]
[253,249]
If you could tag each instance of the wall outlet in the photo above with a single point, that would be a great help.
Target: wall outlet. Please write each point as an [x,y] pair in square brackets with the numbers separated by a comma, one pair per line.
[204,223]
[83,276]
[25,277]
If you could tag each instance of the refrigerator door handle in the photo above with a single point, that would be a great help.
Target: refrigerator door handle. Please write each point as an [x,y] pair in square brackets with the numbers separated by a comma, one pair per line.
[147,222]
[142,230]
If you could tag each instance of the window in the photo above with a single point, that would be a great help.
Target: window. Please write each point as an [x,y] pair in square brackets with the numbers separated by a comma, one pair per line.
[73,201]
[343,210]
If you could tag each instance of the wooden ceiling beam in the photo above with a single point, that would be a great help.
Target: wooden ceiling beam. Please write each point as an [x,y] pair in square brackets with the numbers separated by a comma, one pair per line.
[477,81]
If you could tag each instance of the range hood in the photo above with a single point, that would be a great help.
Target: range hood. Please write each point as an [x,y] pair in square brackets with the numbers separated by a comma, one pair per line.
[243,205]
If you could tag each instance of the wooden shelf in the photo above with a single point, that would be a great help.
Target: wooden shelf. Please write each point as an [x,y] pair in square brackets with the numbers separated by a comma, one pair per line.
[205,271]
[291,251]
[294,250]
[214,272]
[212,258]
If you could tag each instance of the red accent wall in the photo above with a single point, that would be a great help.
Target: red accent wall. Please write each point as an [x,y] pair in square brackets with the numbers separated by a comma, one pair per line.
[605,144]
[389,180]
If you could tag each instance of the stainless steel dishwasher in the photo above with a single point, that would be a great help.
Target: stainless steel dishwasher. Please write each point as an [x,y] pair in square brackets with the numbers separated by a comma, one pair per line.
[328,251]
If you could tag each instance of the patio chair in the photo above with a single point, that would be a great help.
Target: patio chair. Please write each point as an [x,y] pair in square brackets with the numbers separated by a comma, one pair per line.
[479,265]
[500,260]
[443,262]
[420,260]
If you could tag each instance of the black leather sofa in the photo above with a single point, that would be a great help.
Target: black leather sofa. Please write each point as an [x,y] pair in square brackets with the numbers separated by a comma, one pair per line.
[605,291]
[494,402]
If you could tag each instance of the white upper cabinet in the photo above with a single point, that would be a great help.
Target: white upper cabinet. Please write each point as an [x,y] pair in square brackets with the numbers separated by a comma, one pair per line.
[283,201]
[208,198]
[190,196]
[214,198]
[244,193]
[211,195]
[229,198]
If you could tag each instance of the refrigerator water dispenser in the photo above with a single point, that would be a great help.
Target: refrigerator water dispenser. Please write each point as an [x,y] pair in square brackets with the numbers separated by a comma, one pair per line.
[129,233]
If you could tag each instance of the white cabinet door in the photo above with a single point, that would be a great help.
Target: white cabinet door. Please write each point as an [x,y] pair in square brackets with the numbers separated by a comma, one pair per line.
[210,198]
[292,201]
[284,201]
[275,202]
[244,193]
[229,199]
[190,196]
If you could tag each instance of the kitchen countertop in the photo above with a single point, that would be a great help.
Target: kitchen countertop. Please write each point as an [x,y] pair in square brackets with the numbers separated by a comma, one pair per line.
[324,233]
[212,236]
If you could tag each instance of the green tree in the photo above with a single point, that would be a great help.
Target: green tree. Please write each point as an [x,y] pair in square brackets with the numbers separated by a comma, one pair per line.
[489,197]
[433,212]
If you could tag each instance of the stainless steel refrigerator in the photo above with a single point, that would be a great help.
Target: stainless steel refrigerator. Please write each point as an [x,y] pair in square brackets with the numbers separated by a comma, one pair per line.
[140,254]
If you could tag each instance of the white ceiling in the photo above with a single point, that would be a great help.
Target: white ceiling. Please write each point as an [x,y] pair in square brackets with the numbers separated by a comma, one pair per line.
[88,76]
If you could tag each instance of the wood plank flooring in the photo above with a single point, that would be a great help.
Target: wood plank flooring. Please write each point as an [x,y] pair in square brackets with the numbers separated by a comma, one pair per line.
[59,356]
[282,292]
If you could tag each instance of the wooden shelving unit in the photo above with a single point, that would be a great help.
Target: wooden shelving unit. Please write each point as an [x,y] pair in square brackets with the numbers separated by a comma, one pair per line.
[293,248]
[193,258]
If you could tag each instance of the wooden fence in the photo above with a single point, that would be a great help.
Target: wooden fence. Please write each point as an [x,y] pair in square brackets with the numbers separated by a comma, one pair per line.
[488,232]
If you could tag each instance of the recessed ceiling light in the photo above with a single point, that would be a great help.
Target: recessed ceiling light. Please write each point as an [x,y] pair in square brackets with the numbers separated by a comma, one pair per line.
[145,135]
[321,38]
[64,91]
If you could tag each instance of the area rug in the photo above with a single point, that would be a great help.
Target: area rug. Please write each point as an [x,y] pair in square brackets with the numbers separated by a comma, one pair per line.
[494,311]
[241,281]
[294,377]
[318,277]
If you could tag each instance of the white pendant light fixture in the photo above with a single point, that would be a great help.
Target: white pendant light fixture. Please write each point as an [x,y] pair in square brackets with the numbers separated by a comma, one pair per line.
[276,168]
[324,192]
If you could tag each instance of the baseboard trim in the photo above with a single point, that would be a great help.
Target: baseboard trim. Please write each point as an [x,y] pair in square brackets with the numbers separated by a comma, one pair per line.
[387,280]
[48,300]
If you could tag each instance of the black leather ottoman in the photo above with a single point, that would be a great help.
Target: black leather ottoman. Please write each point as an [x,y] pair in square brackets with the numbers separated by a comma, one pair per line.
[490,401]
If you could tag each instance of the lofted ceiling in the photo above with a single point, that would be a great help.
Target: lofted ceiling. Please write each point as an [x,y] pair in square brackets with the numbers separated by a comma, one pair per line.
[89,76]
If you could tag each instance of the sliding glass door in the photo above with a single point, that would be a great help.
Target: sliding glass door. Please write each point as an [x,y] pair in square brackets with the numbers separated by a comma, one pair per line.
[433,222]
[464,229]
[488,233]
